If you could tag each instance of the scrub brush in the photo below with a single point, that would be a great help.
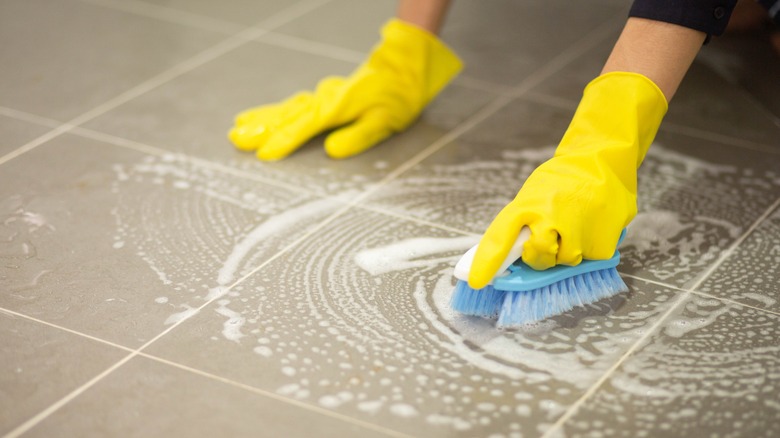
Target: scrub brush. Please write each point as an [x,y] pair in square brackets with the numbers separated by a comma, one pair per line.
[521,295]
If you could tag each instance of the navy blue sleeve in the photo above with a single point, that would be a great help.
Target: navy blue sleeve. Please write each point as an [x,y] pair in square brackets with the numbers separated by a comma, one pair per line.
[773,7]
[708,16]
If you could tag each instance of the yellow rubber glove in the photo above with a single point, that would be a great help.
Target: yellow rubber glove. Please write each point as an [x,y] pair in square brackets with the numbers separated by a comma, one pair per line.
[383,96]
[577,203]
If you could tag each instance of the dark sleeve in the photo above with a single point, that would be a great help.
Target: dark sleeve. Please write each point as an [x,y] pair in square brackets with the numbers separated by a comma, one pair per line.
[773,7]
[708,16]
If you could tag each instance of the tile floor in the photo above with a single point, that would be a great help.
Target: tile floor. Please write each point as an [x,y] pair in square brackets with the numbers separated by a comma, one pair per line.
[155,281]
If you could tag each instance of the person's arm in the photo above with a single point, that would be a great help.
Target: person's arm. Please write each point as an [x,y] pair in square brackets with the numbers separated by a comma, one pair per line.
[426,14]
[661,51]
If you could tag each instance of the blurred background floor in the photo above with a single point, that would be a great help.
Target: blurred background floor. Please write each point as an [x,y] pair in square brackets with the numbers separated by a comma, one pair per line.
[157,281]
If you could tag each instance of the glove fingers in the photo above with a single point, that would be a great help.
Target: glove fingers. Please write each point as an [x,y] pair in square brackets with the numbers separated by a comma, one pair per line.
[569,251]
[541,249]
[494,247]
[248,137]
[254,127]
[370,129]
[289,137]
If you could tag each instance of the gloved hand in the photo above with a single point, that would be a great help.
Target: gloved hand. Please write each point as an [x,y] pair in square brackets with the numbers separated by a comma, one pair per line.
[383,96]
[577,203]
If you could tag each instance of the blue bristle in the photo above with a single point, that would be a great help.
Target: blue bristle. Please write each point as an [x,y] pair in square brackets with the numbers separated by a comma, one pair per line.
[523,307]
[478,302]
[525,295]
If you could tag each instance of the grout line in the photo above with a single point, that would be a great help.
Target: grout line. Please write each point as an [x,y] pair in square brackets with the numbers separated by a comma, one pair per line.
[571,410]
[32,144]
[203,57]
[553,101]
[28,117]
[566,104]
[414,219]
[290,42]
[727,253]
[573,52]
[339,53]
[277,397]
[297,10]
[720,138]
[733,302]
[65,329]
[200,162]
[40,416]
[481,85]
[170,15]
[317,48]
[197,161]
[702,294]
[275,256]
[655,282]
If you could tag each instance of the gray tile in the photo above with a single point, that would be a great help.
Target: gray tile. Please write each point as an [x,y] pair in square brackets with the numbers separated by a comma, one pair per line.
[337,23]
[695,197]
[62,58]
[16,133]
[113,243]
[750,274]
[145,398]
[357,320]
[505,41]
[193,113]
[748,61]
[707,99]
[39,365]
[465,184]
[247,12]
[709,102]
[712,370]
[500,41]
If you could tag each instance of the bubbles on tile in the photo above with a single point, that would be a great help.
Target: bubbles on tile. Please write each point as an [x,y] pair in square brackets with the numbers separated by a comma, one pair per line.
[669,246]
[750,273]
[711,370]
[463,194]
[689,209]
[20,227]
[362,309]
[185,221]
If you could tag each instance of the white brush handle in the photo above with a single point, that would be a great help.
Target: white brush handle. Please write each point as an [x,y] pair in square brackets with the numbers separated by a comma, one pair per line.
[463,267]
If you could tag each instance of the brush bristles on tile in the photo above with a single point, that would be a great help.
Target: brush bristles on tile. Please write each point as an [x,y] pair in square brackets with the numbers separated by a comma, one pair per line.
[477,302]
[524,307]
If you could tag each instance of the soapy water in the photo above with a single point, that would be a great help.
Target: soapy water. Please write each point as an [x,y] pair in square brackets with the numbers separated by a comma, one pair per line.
[714,370]
[750,275]
[690,210]
[20,227]
[367,301]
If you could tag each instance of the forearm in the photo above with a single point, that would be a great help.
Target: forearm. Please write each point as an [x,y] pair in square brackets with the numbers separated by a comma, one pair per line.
[427,14]
[661,51]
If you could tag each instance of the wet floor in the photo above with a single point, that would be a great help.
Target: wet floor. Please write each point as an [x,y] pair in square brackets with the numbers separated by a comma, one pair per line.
[157,281]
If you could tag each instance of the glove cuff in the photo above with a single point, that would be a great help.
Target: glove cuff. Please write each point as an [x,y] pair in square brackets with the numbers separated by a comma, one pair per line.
[620,110]
[427,56]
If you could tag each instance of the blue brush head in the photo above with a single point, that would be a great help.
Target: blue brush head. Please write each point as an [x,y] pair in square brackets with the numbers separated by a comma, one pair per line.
[484,302]
[526,295]
[522,307]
